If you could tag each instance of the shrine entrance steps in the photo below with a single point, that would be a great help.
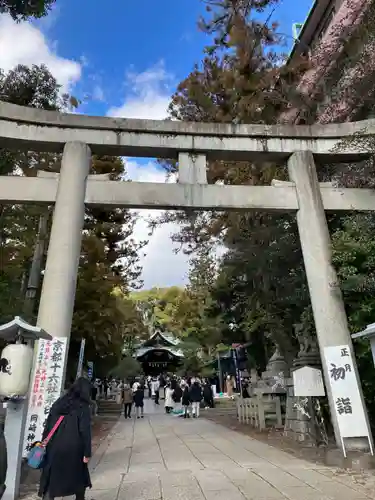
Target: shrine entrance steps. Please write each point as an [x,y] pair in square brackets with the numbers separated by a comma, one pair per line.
[109,407]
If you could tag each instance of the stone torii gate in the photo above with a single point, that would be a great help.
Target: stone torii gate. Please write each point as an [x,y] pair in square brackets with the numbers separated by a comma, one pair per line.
[76,137]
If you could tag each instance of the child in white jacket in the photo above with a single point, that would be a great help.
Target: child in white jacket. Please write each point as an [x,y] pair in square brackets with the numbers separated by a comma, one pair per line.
[169,403]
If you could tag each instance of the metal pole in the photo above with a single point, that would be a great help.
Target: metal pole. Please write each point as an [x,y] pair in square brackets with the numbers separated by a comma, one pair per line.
[221,387]
[34,281]
[238,376]
[80,359]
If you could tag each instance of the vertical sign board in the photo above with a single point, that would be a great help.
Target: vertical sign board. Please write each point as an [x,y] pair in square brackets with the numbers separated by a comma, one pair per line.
[46,387]
[343,381]
[238,374]
[308,382]
[80,359]
[90,369]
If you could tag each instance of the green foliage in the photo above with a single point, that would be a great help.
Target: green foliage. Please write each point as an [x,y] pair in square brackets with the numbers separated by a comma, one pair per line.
[108,265]
[127,368]
[194,359]
[108,262]
[34,87]
[23,9]
[354,259]
[134,329]
[159,305]
[260,291]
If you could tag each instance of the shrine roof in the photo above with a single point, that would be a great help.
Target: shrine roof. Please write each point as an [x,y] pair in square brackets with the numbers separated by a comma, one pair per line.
[172,350]
[167,338]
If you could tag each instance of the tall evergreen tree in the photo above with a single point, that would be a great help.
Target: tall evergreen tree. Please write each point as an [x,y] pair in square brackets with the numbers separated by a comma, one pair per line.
[241,79]
[109,257]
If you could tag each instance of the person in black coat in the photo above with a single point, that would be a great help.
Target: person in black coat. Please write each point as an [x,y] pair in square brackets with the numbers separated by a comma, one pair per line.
[208,396]
[245,389]
[138,400]
[186,400]
[195,397]
[177,394]
[65,471]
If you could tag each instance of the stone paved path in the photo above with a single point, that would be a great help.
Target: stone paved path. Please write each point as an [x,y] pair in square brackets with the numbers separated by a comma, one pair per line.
[169,458]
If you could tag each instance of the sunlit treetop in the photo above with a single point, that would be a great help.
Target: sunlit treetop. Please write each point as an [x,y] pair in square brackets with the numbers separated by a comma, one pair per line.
[23,9]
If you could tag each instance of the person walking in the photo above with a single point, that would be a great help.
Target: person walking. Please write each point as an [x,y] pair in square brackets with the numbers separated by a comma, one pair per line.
[177,396]
[138,398]
[208,395]
[168,399]
[155,390]
[94,397]
[105,388]
[136,385]
[230,386]
[162,384]
[127,399]
[185,400]
[65,471]
[195,397]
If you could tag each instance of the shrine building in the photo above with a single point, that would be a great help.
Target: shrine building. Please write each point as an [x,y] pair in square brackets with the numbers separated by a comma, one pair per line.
[160,353]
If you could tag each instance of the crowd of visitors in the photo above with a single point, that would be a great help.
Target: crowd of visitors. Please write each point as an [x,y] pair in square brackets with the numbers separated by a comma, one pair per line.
[182,396]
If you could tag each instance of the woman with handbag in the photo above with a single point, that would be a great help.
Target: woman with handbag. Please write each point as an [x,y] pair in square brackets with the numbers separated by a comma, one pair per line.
[68,450]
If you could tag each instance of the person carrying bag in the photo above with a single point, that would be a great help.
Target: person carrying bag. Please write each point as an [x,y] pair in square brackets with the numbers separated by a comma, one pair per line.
[65,466]
[37,453]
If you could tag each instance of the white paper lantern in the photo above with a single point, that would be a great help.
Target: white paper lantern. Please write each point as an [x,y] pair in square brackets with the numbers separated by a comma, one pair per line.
[15,368]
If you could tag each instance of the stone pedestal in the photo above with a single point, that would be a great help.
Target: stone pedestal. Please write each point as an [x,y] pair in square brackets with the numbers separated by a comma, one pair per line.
[276,367]
[297,424]
[272,382]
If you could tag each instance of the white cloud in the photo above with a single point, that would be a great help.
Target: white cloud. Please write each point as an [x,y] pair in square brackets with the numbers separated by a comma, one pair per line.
[147,94]
[98,94]
[162,267]
[24,43]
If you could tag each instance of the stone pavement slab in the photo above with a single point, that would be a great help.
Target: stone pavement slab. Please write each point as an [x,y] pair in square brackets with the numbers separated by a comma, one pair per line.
[163,457]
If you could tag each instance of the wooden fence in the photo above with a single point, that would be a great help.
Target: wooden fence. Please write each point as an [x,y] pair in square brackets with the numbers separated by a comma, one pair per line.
[260,411]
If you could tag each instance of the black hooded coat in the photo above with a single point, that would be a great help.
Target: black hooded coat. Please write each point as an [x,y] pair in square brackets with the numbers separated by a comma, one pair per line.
[64,472]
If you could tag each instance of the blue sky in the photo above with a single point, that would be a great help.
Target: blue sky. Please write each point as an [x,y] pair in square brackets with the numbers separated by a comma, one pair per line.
[135,35]
[124,58]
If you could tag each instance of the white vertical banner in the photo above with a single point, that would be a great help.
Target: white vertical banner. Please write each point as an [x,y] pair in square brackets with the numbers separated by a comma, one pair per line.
[80,359]
[46,387]
[343,381]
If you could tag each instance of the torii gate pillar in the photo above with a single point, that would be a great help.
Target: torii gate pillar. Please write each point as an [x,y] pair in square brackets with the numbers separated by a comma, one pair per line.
[326,298]
[64,250]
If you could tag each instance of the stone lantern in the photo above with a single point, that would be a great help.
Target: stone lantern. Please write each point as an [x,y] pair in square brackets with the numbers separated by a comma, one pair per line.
[15,370]
[369,334]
